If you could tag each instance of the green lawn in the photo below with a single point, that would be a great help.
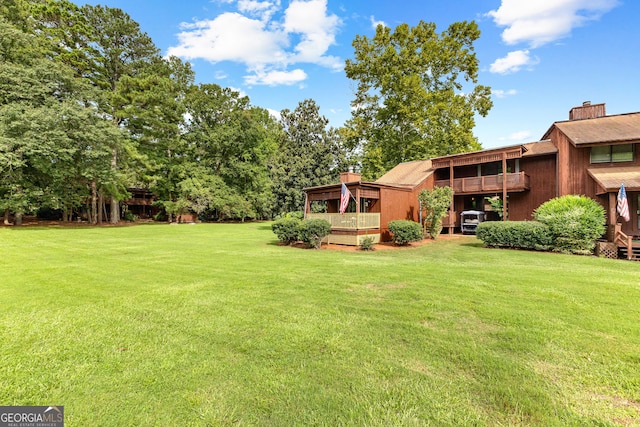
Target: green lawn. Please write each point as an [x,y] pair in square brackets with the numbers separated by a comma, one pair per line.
[209,325]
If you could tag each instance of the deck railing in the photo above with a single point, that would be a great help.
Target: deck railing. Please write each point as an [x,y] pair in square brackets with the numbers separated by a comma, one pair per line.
[349,220]
[621,239]
[490,183]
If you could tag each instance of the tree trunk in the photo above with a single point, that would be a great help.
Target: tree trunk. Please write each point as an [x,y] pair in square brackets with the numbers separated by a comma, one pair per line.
[94,203]
[100,206]
[6,217]
[115,207]
[18,218]
[115,210]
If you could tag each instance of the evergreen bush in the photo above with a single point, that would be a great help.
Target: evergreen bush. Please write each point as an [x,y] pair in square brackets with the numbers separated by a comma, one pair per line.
[404,231]
[367,244]
[576,222]
[287,229]
[312,231]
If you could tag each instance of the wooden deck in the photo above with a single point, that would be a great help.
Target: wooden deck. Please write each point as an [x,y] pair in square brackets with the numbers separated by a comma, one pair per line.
[350,228]
[487,184]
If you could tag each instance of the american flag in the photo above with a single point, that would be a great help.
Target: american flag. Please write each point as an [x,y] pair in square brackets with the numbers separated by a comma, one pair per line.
[623,204]
[345,195]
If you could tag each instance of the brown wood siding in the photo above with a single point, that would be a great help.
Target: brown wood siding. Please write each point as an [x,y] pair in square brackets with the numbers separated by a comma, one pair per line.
[573,176]
[542,181]
[574,162]
[400,204]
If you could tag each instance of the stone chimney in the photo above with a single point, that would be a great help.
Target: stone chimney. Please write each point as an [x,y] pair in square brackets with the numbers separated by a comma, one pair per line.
[351,176]
[587,111]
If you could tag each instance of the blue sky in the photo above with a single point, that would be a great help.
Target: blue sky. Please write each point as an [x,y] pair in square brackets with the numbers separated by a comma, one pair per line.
[539,57]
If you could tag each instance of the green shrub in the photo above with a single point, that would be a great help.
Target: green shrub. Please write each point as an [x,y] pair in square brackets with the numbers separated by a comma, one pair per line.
[129,216]
[367,244]
[576,222]
[404,231]
[515,234]
[312,231]
[287,229]
[294,214]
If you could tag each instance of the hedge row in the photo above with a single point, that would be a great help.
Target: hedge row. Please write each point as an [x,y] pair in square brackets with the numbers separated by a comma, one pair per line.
[568,224]
[310,231]
[532,235]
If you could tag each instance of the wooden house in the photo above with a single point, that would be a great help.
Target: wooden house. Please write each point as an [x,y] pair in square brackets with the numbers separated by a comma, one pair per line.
[373,205]
[590,154]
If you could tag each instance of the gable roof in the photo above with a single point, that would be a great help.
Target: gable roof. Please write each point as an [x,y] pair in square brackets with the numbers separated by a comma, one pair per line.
[409,174]
[609,129]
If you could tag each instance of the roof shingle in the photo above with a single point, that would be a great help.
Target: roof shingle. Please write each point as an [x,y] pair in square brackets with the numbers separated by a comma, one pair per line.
[610,129]
[407,174]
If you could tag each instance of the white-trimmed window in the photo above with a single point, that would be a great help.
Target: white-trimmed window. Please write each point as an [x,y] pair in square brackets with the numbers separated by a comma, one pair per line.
[612,153]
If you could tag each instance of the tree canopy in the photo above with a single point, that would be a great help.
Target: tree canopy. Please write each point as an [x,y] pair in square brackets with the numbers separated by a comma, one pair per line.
[89,109]
[416,96]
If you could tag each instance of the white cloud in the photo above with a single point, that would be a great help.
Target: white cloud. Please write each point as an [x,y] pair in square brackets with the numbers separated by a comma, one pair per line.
[499,93]
[522,135]
[317,32]
[514,61]
[230,37]
[266,45]
[262,9]
[375,23]
[274,113]
[275,77]
[543,21]
[240,91]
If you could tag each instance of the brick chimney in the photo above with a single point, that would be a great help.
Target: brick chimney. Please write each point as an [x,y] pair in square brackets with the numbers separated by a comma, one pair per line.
[351,176]
[587,111]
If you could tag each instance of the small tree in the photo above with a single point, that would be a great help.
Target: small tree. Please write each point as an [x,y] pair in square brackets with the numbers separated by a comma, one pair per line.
[496,205]
[435,204]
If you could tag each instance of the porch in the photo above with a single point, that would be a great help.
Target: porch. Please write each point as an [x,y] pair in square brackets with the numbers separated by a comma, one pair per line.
[518,181]
[350,228]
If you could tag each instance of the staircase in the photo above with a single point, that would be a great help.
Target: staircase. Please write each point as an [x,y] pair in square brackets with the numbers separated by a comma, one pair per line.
[623,252]
[626,248]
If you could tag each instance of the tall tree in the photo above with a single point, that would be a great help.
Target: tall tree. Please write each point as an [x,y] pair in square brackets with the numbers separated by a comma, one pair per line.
[121,51]
[417,94]
[230,143]
[49,128]
[309,155]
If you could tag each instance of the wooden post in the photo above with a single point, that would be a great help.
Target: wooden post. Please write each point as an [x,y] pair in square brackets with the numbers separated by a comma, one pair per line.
[357,210]
[612,209]
[452,216]
[504,186]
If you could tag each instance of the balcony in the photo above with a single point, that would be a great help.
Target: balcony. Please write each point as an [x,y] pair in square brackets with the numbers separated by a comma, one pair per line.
[487,184]
[349,220]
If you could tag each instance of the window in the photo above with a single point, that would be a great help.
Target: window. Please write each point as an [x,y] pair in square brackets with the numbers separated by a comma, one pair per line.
[612,153]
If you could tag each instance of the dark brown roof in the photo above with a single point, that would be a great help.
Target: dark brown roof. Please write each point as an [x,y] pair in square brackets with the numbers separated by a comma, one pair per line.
[409,174]
[539,148]
[610,129]
[610,179]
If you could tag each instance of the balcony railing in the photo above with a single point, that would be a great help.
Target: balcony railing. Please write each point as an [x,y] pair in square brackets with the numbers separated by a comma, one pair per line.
[349,220]
[490,183]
